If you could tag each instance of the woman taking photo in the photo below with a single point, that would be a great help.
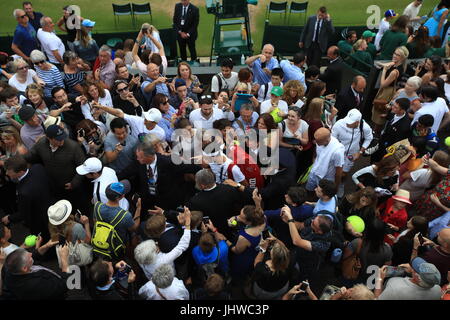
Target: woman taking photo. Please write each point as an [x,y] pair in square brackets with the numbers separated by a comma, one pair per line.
[23,76]
[95,92]
[90,137]
[391,73]
[238,101]
[272,273]
[48,72]
[431,68]
[328,112]
[361,203]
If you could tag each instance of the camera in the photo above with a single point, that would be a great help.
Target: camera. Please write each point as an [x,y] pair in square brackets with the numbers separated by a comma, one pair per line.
[304,285]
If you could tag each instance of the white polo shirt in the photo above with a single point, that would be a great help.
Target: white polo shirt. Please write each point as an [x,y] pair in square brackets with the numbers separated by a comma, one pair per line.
[199,121]
[137,126]
[108,176]
[50,42]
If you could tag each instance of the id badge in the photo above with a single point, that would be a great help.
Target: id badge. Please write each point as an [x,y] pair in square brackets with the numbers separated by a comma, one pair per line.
[182,22]
[152,186]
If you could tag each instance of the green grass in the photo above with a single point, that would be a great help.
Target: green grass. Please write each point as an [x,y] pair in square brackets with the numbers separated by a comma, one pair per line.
[343,12]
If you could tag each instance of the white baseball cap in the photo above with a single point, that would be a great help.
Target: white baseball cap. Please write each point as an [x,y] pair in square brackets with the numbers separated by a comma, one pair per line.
[153,115]
[353,116]
[91,165]
[59,212]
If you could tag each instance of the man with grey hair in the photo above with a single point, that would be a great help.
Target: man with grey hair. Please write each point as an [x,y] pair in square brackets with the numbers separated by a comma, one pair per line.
[106,73]
[422,285]
[262,64]
[157,179]
[50,42]
[164,286]
[24,40]
[27,281]
[246,120]
[218,201]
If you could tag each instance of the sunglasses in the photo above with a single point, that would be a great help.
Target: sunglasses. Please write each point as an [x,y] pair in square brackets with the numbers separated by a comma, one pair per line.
[39,62]
[165,102]
[243,91]
[21,17]
[123,89]
[23,68]
[206,97]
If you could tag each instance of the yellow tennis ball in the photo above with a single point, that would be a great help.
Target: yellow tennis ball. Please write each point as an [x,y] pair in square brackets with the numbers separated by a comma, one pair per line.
[234,223]
[447,141]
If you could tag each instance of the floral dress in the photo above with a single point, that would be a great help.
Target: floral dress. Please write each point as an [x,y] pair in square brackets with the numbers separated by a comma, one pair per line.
[426,208]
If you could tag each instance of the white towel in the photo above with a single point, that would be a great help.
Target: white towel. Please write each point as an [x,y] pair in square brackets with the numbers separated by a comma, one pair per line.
[324,154]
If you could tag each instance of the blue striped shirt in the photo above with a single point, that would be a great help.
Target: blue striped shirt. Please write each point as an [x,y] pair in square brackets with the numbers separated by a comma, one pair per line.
[52,78]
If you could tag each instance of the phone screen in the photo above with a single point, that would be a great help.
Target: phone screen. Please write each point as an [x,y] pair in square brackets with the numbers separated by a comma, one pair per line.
[421,239]
[304,286]
[265,234]
[62,240]
[205,220]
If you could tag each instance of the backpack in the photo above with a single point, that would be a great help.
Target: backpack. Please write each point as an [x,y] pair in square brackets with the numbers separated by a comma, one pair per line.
[106,242]
[351,266]
[248,166]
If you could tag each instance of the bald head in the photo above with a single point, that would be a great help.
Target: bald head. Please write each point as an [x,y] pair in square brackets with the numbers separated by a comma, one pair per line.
[444,238]
[359,84]
[322,136]
[268,50]
[333,52]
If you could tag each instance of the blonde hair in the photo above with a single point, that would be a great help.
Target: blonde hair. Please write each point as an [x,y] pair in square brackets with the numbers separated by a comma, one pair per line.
[314,109]
[357,44]
[34,88]
[10,131]
[292,84]
[16,63]
[243,86]
[404,53]
[361,292]
[280,257]
[64,229]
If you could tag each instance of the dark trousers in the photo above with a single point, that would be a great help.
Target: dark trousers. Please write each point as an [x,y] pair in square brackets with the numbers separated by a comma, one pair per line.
[182,43]
[314,54]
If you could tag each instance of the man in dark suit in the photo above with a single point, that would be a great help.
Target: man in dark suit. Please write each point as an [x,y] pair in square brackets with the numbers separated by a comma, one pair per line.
[185,22]
[157,179]
[333,73]
[351,97]
[314,37]
[397,128]
[33,193]
[219,201]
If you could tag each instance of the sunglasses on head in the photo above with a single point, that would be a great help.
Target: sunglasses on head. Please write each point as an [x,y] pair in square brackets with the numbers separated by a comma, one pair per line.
[206,97]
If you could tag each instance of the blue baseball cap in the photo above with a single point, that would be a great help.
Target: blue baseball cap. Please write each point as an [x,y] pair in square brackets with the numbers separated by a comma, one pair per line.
[179,83]
[88,23]
[390,13]
[427,271]
[117,189]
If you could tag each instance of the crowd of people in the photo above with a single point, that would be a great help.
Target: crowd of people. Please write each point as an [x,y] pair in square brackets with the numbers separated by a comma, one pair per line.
[168,189]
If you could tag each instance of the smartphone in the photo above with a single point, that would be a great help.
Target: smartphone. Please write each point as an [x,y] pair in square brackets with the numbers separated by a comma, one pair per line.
[127,269]
[169,80]
[421,239]
[123,144]
[81,133]
[62,240]
[263,64]
[225,99]
[205,220]
[304,285]
[78,215]
[144,30]
[395,272]
[266,234]
[180,209]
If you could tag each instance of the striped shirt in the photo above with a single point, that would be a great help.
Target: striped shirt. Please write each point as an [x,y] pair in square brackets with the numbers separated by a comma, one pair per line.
[71,80]
[52,78]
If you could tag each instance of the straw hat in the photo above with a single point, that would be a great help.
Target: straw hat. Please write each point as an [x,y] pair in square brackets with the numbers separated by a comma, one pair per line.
[402,195]
[59,212]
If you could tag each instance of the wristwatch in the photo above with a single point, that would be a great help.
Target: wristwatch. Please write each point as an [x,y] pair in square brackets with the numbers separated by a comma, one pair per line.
[291,220]
[238,185]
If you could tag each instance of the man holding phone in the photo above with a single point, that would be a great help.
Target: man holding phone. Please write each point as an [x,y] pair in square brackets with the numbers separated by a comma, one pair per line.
[181,99]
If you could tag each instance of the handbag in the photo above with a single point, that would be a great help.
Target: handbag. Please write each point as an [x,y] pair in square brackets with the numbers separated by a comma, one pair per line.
[383,97]
[351,266]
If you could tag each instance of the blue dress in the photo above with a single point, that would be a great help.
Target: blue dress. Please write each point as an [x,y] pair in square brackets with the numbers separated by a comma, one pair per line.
[433,23]
[242,264]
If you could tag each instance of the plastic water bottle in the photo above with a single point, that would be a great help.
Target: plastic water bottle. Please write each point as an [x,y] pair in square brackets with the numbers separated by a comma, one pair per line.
[336,255]
[242,59]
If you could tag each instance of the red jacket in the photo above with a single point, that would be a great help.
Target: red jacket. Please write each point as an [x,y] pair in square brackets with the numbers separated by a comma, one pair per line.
[398,218]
